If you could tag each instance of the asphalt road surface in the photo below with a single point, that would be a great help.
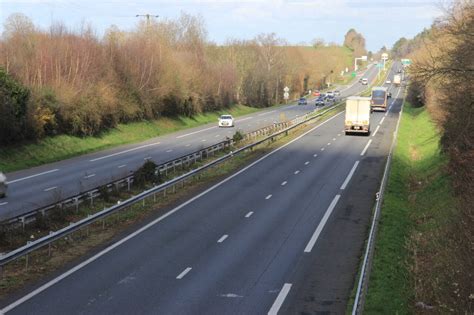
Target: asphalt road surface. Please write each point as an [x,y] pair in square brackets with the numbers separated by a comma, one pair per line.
[282,235]
[40,186]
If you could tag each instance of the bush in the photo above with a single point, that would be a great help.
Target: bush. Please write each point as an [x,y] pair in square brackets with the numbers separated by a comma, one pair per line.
[238,136]
[146,174]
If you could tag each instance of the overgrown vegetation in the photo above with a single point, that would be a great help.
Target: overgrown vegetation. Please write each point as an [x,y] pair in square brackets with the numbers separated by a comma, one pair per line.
[79,84]
[430,200]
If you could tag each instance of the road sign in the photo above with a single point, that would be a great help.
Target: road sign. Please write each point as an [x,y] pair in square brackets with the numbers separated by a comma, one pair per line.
[406,61]
[286,89]
[384,56]
[363,58]
[353,74]
[286,95]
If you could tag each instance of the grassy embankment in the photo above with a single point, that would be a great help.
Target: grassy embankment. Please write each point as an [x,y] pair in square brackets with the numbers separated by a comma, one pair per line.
[61,147]
[417,205]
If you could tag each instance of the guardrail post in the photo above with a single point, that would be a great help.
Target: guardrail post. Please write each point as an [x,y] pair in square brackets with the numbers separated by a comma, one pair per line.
[23,222]
[49,245]
[27,258]
[128,183]
[76,203]
[91,196]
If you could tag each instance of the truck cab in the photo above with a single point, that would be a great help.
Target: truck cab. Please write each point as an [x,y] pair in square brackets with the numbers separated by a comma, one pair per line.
[3,185]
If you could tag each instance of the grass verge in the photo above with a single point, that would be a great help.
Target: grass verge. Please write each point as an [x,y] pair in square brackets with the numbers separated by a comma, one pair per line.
[61,147]
[411,261]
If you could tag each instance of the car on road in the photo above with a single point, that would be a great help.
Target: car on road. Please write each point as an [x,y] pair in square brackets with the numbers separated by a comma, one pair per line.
[389,95]
[226,121]
[316,93]
[364,81]
[302,101]
[388,82]
[330,98]
[320,101]
[3,185]
[330,93]
[337,93]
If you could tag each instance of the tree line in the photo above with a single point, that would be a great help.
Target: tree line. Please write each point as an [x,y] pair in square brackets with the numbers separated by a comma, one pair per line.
[59,81]
[442,79]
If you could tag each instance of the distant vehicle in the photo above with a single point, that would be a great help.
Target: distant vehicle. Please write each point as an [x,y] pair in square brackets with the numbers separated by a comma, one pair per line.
[330,98]
[388,82]
[330,93]
[399,70]
[397,79]
[323,95]
[357,115]
[389,95]
[379,98]
[316,93]
[364,81]
[226,121]
[302,101]
[337,93]
[320,101]
[3,185]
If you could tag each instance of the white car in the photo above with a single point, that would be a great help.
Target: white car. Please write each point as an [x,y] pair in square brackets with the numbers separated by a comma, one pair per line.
[388,82]
[364,81]
[3,185]
[226,121]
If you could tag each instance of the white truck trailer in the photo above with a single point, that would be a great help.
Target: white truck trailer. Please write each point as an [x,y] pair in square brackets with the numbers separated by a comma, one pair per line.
[357,115]
[397,79]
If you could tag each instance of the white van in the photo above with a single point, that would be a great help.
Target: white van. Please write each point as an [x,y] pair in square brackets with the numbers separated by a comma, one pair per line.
[3,185]
[364,81]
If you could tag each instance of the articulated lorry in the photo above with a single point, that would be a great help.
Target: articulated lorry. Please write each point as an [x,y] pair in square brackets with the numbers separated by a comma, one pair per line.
[3,185]
[397,79]
[357,115]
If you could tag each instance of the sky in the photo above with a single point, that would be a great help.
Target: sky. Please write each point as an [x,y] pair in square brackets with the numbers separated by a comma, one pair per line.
[297,21]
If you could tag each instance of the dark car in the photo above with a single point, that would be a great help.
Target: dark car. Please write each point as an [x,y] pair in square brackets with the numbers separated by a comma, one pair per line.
[302,101]
[320,101]
[389,95]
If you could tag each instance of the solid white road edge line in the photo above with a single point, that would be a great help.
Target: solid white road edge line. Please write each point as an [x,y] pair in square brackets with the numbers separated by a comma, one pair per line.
[222,238]
[349,176]
[280,299]
[146,227]
[195,132]
[123,165]
[321,225]
[182,274]
[122,152]
[366,147]
[31,176]
[3,203]
[272,111]
[50,188]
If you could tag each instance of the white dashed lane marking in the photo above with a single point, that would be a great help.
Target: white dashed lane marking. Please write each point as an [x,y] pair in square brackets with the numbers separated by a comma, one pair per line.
[182,274]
